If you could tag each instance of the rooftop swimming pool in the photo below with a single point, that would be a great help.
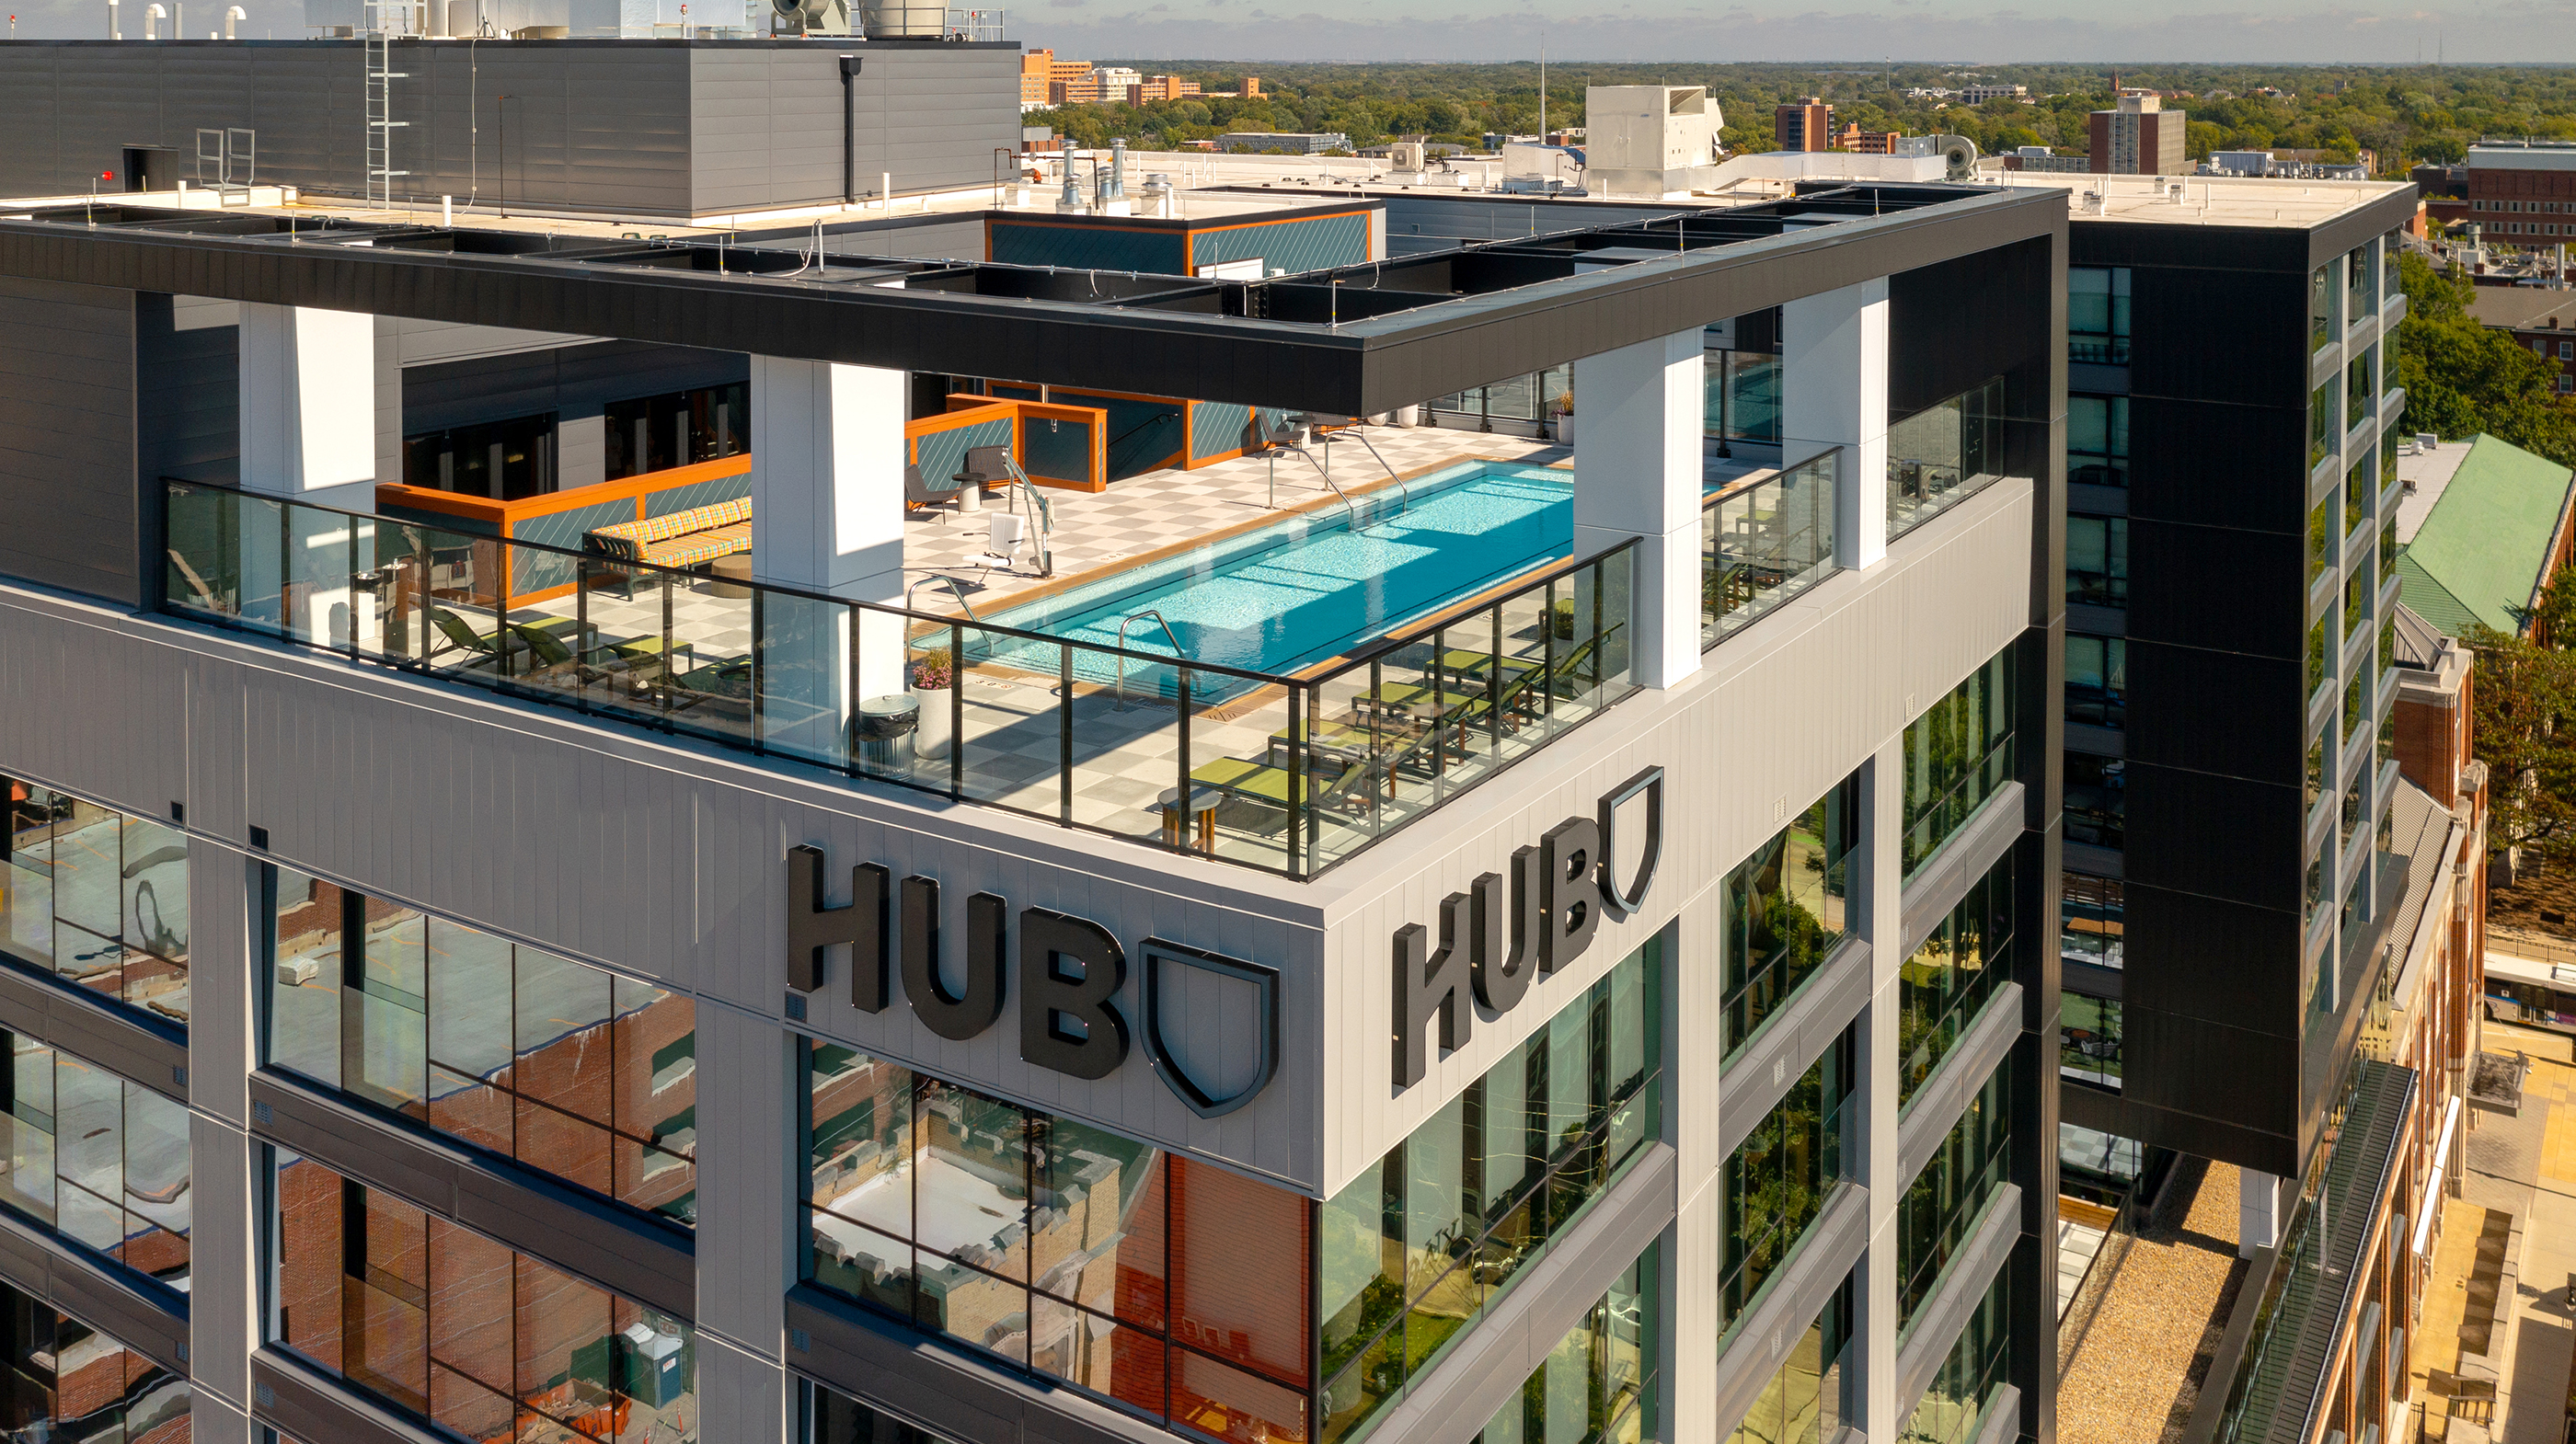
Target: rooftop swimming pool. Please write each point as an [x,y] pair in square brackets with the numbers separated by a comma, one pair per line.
[1310,587]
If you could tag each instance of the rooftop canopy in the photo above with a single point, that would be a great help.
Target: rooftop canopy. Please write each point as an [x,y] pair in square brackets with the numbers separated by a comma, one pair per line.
[2484,551]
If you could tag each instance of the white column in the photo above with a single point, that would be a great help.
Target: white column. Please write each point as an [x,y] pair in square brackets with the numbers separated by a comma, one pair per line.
[1833,392]
[1876,1163]
[1637,473]
[308,400]
[827,458]
[2259,1211]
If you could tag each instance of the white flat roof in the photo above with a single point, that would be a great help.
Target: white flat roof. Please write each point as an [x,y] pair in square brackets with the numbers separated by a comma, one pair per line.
[2430,471]
[2522,157]
[2209,200]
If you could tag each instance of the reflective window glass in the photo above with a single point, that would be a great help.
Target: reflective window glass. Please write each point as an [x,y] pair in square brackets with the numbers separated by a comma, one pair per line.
[98,898]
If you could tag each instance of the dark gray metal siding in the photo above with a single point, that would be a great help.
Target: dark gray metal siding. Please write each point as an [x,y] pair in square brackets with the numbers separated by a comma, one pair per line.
[67,397]
[656,128]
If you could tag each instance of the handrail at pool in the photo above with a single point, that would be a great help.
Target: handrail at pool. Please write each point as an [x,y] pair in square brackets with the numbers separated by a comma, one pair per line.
[1357,747]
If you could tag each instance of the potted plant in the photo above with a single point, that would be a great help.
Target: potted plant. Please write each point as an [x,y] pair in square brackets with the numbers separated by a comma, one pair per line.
[928,675]
[1565,418]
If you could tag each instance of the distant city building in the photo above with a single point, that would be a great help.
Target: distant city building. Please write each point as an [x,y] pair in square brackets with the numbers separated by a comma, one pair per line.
[2522,192]
[1881,142]
[1110,82]
[2141,137]
[1037,70]
[1286,142]
[1161,87]
[2040,159]
[2286,165]
[1980,94]
[1807,125]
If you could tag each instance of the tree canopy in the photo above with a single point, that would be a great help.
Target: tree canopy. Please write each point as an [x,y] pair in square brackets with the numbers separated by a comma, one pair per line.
[2399,113]
[2462,378]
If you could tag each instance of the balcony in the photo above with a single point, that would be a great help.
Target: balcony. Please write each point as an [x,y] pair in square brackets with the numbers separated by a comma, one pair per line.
[1288,768]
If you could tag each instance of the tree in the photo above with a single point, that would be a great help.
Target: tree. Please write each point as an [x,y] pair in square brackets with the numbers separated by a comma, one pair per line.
[2526,732]
[2462,378]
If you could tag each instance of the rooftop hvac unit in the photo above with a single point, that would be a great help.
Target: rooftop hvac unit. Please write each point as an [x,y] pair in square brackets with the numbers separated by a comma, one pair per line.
[812,17]
[904,20]
[1958,156]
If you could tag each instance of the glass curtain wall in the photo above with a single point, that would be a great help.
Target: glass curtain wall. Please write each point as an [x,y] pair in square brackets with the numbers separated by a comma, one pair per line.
[1940,1207]
[2097,680]
[2096,800]
[1969,1375]
[448,1326]
[97,898]
[1805,1401]
[681,428]
[571,1070]
[2097,315]
[1597,1386]
[97,1158]
[2097,561]
[1741,382]
[2091,917]
[1951,975]
[1778,1178]
[502,460]
[69,1382]
[1957,754]
[2097,439]
[1786,908]
[1412,1252]
[828,1416]
[1517,403]
[2088,1039]
[1185,1292]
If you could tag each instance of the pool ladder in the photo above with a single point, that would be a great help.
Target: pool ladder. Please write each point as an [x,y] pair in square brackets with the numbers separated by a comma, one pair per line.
[1287,429]
[1177,655]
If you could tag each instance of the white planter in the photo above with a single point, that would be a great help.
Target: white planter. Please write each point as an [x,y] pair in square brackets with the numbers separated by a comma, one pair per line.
[1565,429]
[930,738]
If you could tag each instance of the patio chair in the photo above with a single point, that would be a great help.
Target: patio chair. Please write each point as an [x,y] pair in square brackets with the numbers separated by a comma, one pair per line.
[917,492]
[1277,789]
[484,648]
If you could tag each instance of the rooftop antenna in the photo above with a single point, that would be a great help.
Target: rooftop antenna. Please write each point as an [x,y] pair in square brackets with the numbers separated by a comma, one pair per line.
[1542,87]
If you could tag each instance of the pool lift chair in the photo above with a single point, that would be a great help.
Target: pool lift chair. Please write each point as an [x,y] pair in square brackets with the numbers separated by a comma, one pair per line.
[1026,526]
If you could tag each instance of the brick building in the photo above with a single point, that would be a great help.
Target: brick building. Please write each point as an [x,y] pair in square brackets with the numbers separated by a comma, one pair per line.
[2523,193]
[1807,125]
[2140,137]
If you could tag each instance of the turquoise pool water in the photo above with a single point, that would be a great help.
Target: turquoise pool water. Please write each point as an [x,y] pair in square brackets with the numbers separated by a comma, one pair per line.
[1289,595]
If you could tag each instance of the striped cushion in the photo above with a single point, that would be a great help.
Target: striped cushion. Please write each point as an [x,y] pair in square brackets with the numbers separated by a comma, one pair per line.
[698,547]
[652,539]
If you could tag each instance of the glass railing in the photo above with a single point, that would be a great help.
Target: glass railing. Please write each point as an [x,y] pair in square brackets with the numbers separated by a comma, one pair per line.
[1763,542]
[1287,773]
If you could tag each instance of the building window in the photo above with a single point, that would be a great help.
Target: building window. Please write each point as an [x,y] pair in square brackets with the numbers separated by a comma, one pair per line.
[828,1416]
[2566,382]
[2356,601]
[1786,909]
[68,1381]
[448,1326]
[2097,315]
[573,1071]
[503,460]
[1970,1373]
[2567,350]
[1598,1383]
[97,898]
[2355,795]
[2092,914]
[1941,1205]
[1806,1401]
[2096,799]
[1777,1179]
[658,433]
[2359,396]
[2097,561]
[1934,454]
[2356,699]
[1741,396]
[1941,989]
[2387,468]
[2315,893]
[2324,431]
[2316,656]
[119,1182]
[2088,1039]
[2097,680]
[2387,551]
[2359,275]
[2358,494]
[2322,329]
[2320,537]
[1413,1251]
[2097,440]
[1957,754]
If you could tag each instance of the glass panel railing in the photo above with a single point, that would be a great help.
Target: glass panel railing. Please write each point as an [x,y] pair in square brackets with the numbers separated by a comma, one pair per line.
[1430,711]
[1285,773]
[1762,542]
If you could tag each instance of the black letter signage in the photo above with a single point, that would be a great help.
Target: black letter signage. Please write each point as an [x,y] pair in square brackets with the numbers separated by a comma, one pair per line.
[812,927]
[956,1017]
[1051,997]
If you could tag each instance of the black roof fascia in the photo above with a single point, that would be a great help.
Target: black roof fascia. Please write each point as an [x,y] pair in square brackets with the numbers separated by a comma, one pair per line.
[1354,368]
[2185,244]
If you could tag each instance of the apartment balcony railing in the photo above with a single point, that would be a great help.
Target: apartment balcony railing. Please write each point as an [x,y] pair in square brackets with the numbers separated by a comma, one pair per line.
[1288,773]
[1762,542]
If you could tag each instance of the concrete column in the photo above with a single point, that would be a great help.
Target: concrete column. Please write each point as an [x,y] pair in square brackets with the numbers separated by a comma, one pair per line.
[223,1261]
[1637,473]
[1873,1138]
[1833,393]
[749,1239]
[1695,1247]
[827,458]
[2261,1211]
[308,402]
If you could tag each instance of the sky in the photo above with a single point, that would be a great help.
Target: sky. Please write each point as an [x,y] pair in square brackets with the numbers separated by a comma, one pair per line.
[1684,31]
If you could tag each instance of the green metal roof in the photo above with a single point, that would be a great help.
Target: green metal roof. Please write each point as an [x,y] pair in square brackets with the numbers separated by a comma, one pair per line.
[2482,549]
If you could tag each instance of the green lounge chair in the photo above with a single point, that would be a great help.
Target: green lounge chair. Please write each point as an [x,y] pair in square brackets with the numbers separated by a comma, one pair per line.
[1277,788]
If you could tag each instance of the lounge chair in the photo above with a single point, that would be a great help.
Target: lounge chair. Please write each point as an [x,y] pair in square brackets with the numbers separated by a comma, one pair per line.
[916,492]
[1276,788]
